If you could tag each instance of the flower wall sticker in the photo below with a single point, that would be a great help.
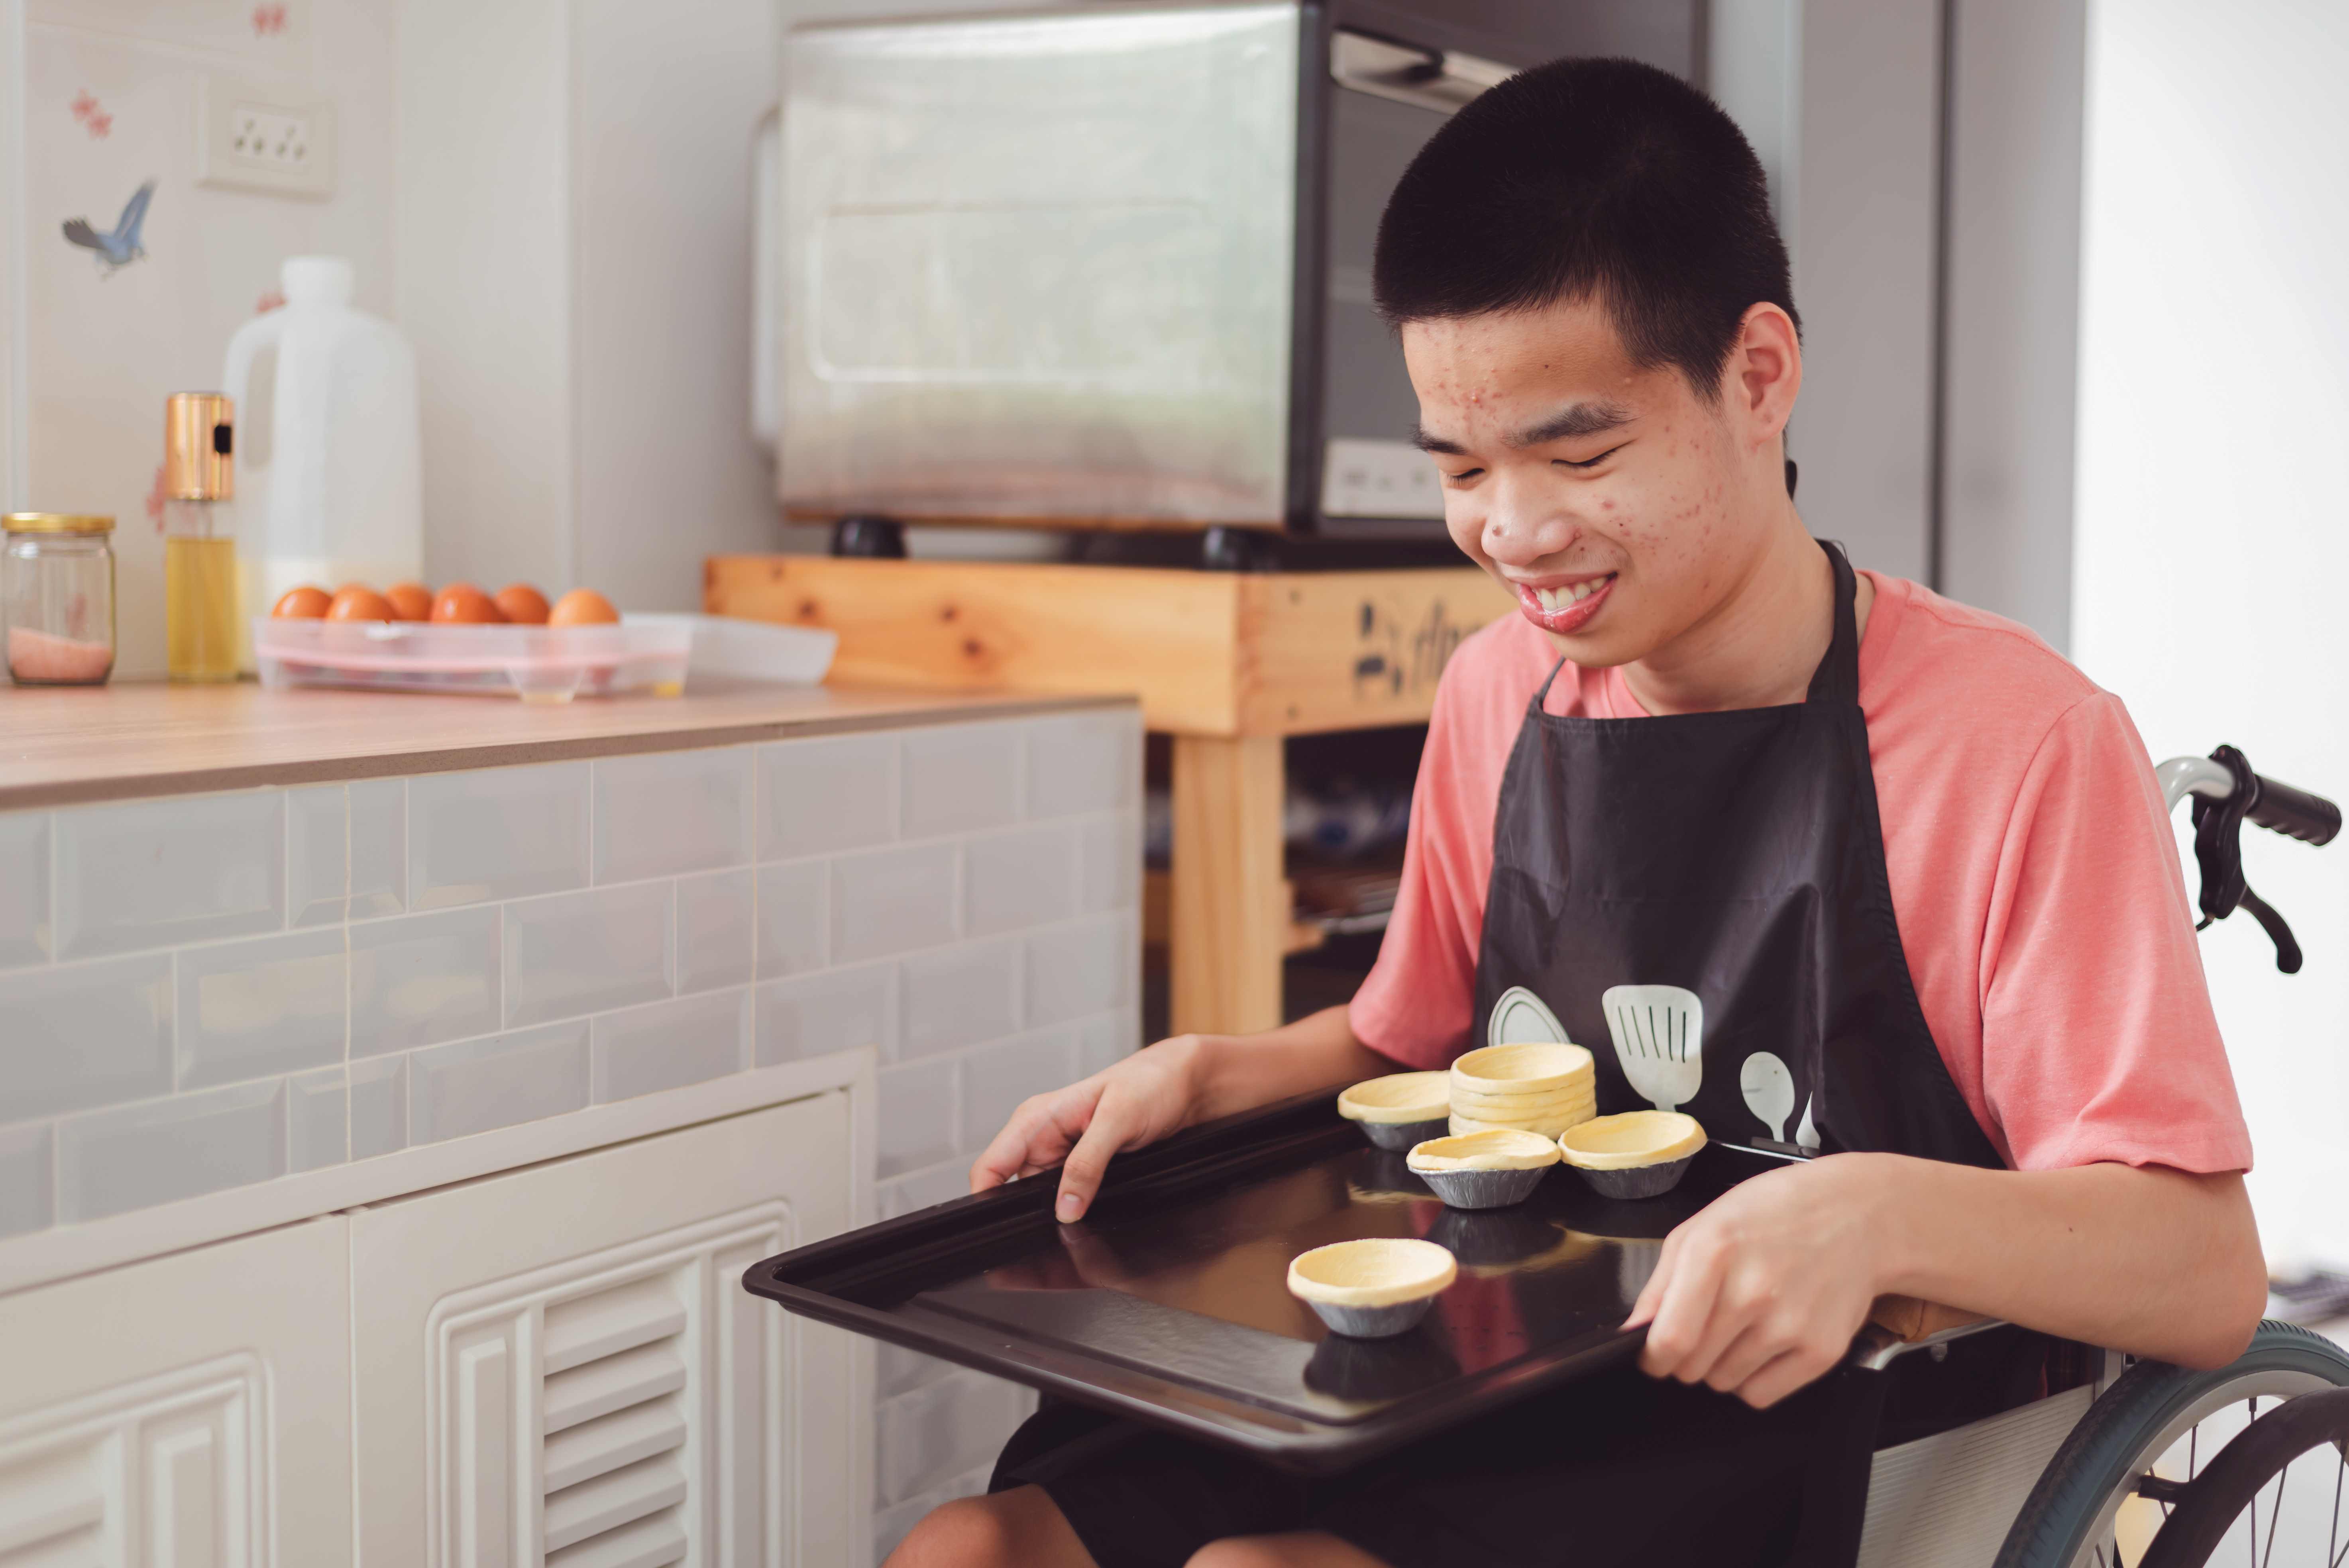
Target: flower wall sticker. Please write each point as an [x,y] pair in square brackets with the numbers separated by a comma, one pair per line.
[268,19]
[121,246]
[92,115]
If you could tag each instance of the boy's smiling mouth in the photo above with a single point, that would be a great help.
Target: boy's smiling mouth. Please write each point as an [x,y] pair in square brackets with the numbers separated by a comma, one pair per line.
[1563,603]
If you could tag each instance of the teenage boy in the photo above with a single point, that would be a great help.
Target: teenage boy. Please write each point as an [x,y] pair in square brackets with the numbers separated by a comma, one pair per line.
[1895,844]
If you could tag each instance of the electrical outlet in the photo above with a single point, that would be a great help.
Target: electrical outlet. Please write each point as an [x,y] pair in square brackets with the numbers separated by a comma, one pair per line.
[252,137]
[1378,478]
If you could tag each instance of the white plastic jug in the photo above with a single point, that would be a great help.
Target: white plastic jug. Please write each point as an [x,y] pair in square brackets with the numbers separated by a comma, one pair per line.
[333,492]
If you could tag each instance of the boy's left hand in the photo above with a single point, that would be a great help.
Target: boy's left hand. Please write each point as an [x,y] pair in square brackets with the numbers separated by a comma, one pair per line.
[1761,1291]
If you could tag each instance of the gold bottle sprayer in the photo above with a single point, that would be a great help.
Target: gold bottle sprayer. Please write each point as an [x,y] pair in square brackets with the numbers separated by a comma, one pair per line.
[199,597]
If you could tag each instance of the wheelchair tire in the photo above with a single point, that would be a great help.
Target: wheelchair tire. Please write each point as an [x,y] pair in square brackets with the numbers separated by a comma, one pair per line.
[2070,1510]
[2206,1510]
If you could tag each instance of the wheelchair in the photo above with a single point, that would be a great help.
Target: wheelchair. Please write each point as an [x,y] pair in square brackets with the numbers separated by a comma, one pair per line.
[2136,1464]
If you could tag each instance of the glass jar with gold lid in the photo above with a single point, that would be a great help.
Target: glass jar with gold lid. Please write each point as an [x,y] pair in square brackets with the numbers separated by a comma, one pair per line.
[56,593]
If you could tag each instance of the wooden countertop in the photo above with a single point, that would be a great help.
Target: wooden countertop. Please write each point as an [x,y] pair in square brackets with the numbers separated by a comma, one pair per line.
[66,745]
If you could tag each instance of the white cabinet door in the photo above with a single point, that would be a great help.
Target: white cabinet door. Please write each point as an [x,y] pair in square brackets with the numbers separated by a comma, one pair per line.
[189,1412]
[560,1365]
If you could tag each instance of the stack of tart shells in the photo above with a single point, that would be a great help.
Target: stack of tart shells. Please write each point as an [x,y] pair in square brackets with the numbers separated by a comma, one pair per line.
[1540,1088]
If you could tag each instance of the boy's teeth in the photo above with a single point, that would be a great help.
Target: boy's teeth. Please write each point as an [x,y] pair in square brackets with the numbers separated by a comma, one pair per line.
[1548,597]
[1575,593]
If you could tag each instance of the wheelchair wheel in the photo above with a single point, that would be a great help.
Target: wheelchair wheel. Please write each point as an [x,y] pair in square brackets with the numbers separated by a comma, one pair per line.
[2217,1514]
[2117,1484]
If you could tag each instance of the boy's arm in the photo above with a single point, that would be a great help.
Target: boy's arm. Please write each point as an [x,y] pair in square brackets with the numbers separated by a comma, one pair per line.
[1762,1291]
[1174,1084]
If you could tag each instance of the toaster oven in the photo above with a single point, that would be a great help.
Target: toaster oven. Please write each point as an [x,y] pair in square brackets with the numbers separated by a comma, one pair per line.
[1109,266]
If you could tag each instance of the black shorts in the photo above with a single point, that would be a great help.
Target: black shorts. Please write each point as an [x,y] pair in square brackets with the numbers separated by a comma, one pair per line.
[1617,1470]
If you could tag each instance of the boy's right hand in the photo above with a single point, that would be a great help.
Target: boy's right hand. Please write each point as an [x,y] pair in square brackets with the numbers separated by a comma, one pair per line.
[1140,1100]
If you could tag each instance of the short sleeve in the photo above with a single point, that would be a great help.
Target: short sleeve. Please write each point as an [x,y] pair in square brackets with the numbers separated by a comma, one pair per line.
[2098,1038]
[1415,1005]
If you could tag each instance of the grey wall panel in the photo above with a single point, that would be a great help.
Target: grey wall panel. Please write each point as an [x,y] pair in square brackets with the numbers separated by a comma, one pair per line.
[2012,363]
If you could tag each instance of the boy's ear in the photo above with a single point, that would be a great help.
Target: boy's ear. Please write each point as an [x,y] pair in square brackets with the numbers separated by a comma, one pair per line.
[1764,371]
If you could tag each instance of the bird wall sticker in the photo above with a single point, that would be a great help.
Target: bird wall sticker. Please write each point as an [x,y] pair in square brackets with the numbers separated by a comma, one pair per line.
[118,249]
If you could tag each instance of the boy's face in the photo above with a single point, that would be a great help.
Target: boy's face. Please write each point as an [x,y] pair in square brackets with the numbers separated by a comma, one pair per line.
[1612,500]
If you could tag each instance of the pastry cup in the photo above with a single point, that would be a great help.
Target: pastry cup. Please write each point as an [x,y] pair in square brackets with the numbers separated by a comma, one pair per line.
[1532,1069]
[1399,1109]
[1639,1154]
[1490,1106]
[1483,1169]
[1544,1127]
[1373,1288]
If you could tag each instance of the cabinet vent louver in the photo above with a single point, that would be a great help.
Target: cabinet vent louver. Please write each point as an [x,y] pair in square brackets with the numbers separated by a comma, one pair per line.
[611,1416]
[587,1415]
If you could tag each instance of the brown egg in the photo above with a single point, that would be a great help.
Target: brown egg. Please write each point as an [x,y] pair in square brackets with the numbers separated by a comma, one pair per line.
[358,604]
[461,603]
[409,600]
[303,603]
[582,607]
[523,605]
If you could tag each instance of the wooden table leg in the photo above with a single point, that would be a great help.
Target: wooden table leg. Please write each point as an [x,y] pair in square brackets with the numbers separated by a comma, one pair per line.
[1229,914]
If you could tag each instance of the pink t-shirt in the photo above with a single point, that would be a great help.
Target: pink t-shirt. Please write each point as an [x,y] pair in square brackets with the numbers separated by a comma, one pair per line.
[2033,873]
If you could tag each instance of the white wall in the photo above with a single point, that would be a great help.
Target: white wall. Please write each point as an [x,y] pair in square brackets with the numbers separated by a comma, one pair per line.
[96,354]
[2213,483]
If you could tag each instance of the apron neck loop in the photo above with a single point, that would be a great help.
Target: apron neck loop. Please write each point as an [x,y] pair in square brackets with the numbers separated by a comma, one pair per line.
[1838,678]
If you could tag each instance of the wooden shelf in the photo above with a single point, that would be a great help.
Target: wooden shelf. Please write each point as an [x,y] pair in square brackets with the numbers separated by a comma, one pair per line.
[1229,664]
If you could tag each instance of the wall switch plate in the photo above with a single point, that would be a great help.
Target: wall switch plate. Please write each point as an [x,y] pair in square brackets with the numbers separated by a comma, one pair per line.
[252,137]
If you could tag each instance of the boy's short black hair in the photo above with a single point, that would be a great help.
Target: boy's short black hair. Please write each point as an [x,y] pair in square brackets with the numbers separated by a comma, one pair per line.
[1589,179]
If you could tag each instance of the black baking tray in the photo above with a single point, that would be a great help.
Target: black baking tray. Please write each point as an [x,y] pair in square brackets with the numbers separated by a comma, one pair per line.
[1168,1302]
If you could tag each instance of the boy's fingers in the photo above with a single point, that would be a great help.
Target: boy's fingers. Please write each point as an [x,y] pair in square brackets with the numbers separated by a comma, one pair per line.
[1088,1163]
[1782,1376]
[1681,1313]
[1650,1294]
[1036,1137]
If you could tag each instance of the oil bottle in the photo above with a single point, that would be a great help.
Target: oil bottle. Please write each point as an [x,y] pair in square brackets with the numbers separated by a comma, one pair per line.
[199,597]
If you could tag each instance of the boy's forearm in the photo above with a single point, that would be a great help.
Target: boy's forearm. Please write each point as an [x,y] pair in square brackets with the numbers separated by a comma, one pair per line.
[1240,1072]
[2151,1261]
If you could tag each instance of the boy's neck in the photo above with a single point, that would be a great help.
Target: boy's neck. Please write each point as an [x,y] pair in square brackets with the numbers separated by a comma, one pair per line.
[1760,645]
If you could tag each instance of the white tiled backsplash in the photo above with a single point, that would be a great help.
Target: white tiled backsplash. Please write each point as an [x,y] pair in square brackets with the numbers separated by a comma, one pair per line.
[203,992]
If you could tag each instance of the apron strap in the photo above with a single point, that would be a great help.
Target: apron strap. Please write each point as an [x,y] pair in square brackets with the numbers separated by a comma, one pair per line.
[1534,709]
[1838,678]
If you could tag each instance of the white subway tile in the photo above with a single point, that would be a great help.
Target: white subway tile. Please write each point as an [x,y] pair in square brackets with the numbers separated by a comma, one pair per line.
[996,1079]
[916,1115]
[1085,762]
[834,792]
[671,812]
[898,1370]
[85,1035]
[820,1013]
[1109,859]
[1013,881]
[317,855]
[892,901]
[1108,1039]
[496,833]
[584,952]
[959,778]
[920,1189]
[715,918]
[260,1007]
[959,996]
[378,819]
[317,1120]
[27,1185]
[1088,967]
[378,1107]
[682,1041]
[134,1157]
[23,888]
[476,1085]
[792,918]
[155,873]
[957,1424]
[425,978]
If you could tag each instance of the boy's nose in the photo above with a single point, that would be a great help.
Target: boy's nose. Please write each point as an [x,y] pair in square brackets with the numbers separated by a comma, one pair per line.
[1513,537]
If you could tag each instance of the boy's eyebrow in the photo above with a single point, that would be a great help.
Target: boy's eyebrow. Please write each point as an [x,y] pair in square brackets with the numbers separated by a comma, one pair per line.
[1574,420]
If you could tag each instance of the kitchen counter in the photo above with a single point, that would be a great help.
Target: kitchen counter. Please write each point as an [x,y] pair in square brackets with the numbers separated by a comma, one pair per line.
[70,745]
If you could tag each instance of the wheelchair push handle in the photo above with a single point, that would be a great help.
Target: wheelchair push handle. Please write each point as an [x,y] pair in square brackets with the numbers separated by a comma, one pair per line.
[2295,813]
[2225,792]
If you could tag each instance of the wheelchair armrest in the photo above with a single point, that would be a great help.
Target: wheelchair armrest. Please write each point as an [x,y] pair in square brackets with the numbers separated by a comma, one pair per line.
[1899,1324]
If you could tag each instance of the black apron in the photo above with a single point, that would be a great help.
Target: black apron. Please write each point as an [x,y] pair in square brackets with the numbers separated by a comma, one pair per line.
[1700,899]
